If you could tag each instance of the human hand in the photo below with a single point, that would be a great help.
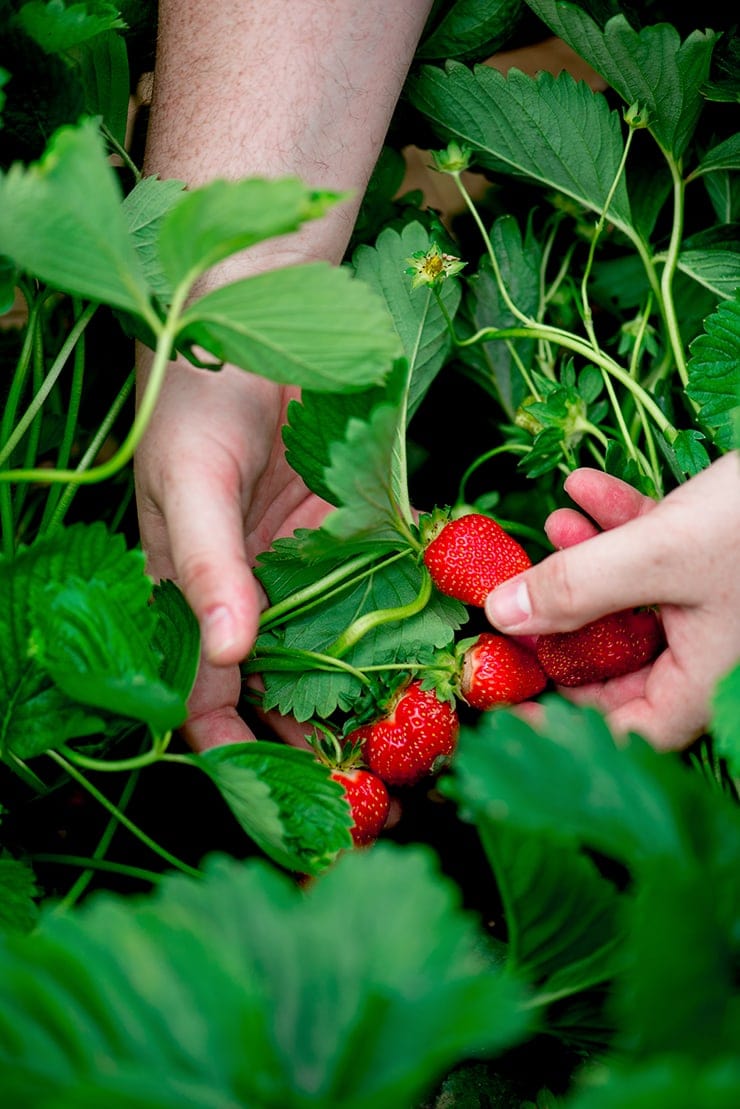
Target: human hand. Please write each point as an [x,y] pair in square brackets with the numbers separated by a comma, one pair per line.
[213,491]
[678,553]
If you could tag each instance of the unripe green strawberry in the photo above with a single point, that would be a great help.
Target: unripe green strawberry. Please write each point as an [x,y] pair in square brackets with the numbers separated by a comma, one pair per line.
[471,555]
[607,648]
[369,803]
[408,742]
[497,670]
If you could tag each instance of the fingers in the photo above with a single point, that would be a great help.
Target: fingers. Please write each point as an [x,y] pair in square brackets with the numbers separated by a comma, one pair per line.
[205,533]
[565,527]
[609,501]
[213,718]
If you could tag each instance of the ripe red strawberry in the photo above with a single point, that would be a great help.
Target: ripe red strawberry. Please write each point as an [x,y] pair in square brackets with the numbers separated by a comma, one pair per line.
[404,745]
[496,670]
[606,648]
[471,555]
[369,803]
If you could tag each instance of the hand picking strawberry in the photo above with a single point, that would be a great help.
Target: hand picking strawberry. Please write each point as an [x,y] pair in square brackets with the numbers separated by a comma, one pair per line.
[617,644]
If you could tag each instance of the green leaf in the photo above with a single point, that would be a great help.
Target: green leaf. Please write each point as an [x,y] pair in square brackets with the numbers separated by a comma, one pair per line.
[725,155]
[104,72]
[471,29]
[72,197]
[717,270]
[311,326]
[663,1083]
[572,781]
[18,890]
[725,717]
[519,261]
[242,989]
[99,652]
[284,800]
[690,454]
[650,67]
[417,316]
[551,129]
[714,377]
[38,714]
[212,222]
[144,208]
[562,916]
[309,692]
[57,27]
[175,638]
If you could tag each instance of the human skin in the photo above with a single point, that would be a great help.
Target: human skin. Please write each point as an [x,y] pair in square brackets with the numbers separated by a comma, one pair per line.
[623,550]
[265,89]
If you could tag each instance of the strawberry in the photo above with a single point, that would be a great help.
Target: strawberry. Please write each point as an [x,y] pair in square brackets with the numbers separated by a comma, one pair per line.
[606,648]
[417,730]
[471,555]
[496,670]
[369,803]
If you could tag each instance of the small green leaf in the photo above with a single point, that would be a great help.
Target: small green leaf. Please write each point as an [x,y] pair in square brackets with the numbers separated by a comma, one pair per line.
[104,72]
[284,800]
[725,718]
[691,455]
[212,222]
[714,372]
[144,208]
[18,890]
[717,270]
[725,155]
[471,29]
[57,26]
[72,197]
[311,326]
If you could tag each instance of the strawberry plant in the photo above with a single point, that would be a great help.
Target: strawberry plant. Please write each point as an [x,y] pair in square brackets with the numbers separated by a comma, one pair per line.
[548,918]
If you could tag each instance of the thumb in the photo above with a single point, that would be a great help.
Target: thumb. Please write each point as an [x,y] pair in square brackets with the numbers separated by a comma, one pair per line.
[630,565]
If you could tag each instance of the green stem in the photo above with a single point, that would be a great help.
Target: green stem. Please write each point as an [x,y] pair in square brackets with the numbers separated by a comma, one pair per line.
[92,451]
[293,658]
[122,152]
[669,270]
[140,834]
[136,762]
[83,880]
[50,381]
[370,620]
[491,252]
[70,430]
[572,342]
[513,448]
[17,385]
[92,864]
[165,342]
[343,577]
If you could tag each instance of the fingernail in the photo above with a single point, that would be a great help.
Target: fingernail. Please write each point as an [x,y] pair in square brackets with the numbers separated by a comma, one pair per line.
[509,606]
[219,632]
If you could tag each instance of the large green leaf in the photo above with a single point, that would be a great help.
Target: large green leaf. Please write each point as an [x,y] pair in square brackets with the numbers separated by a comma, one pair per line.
[305,692]
[312,326]
[223,217]
[61,221]
[144,208]
[104,72]
[718,270]
[242,989]
[551,129]
[651,67]
[284,800]
[714,372]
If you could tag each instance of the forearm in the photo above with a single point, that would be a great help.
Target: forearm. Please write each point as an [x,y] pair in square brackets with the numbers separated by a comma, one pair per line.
[272,87]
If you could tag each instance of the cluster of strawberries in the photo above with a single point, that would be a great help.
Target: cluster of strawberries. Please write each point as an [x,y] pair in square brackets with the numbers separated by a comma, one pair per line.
[466,558]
